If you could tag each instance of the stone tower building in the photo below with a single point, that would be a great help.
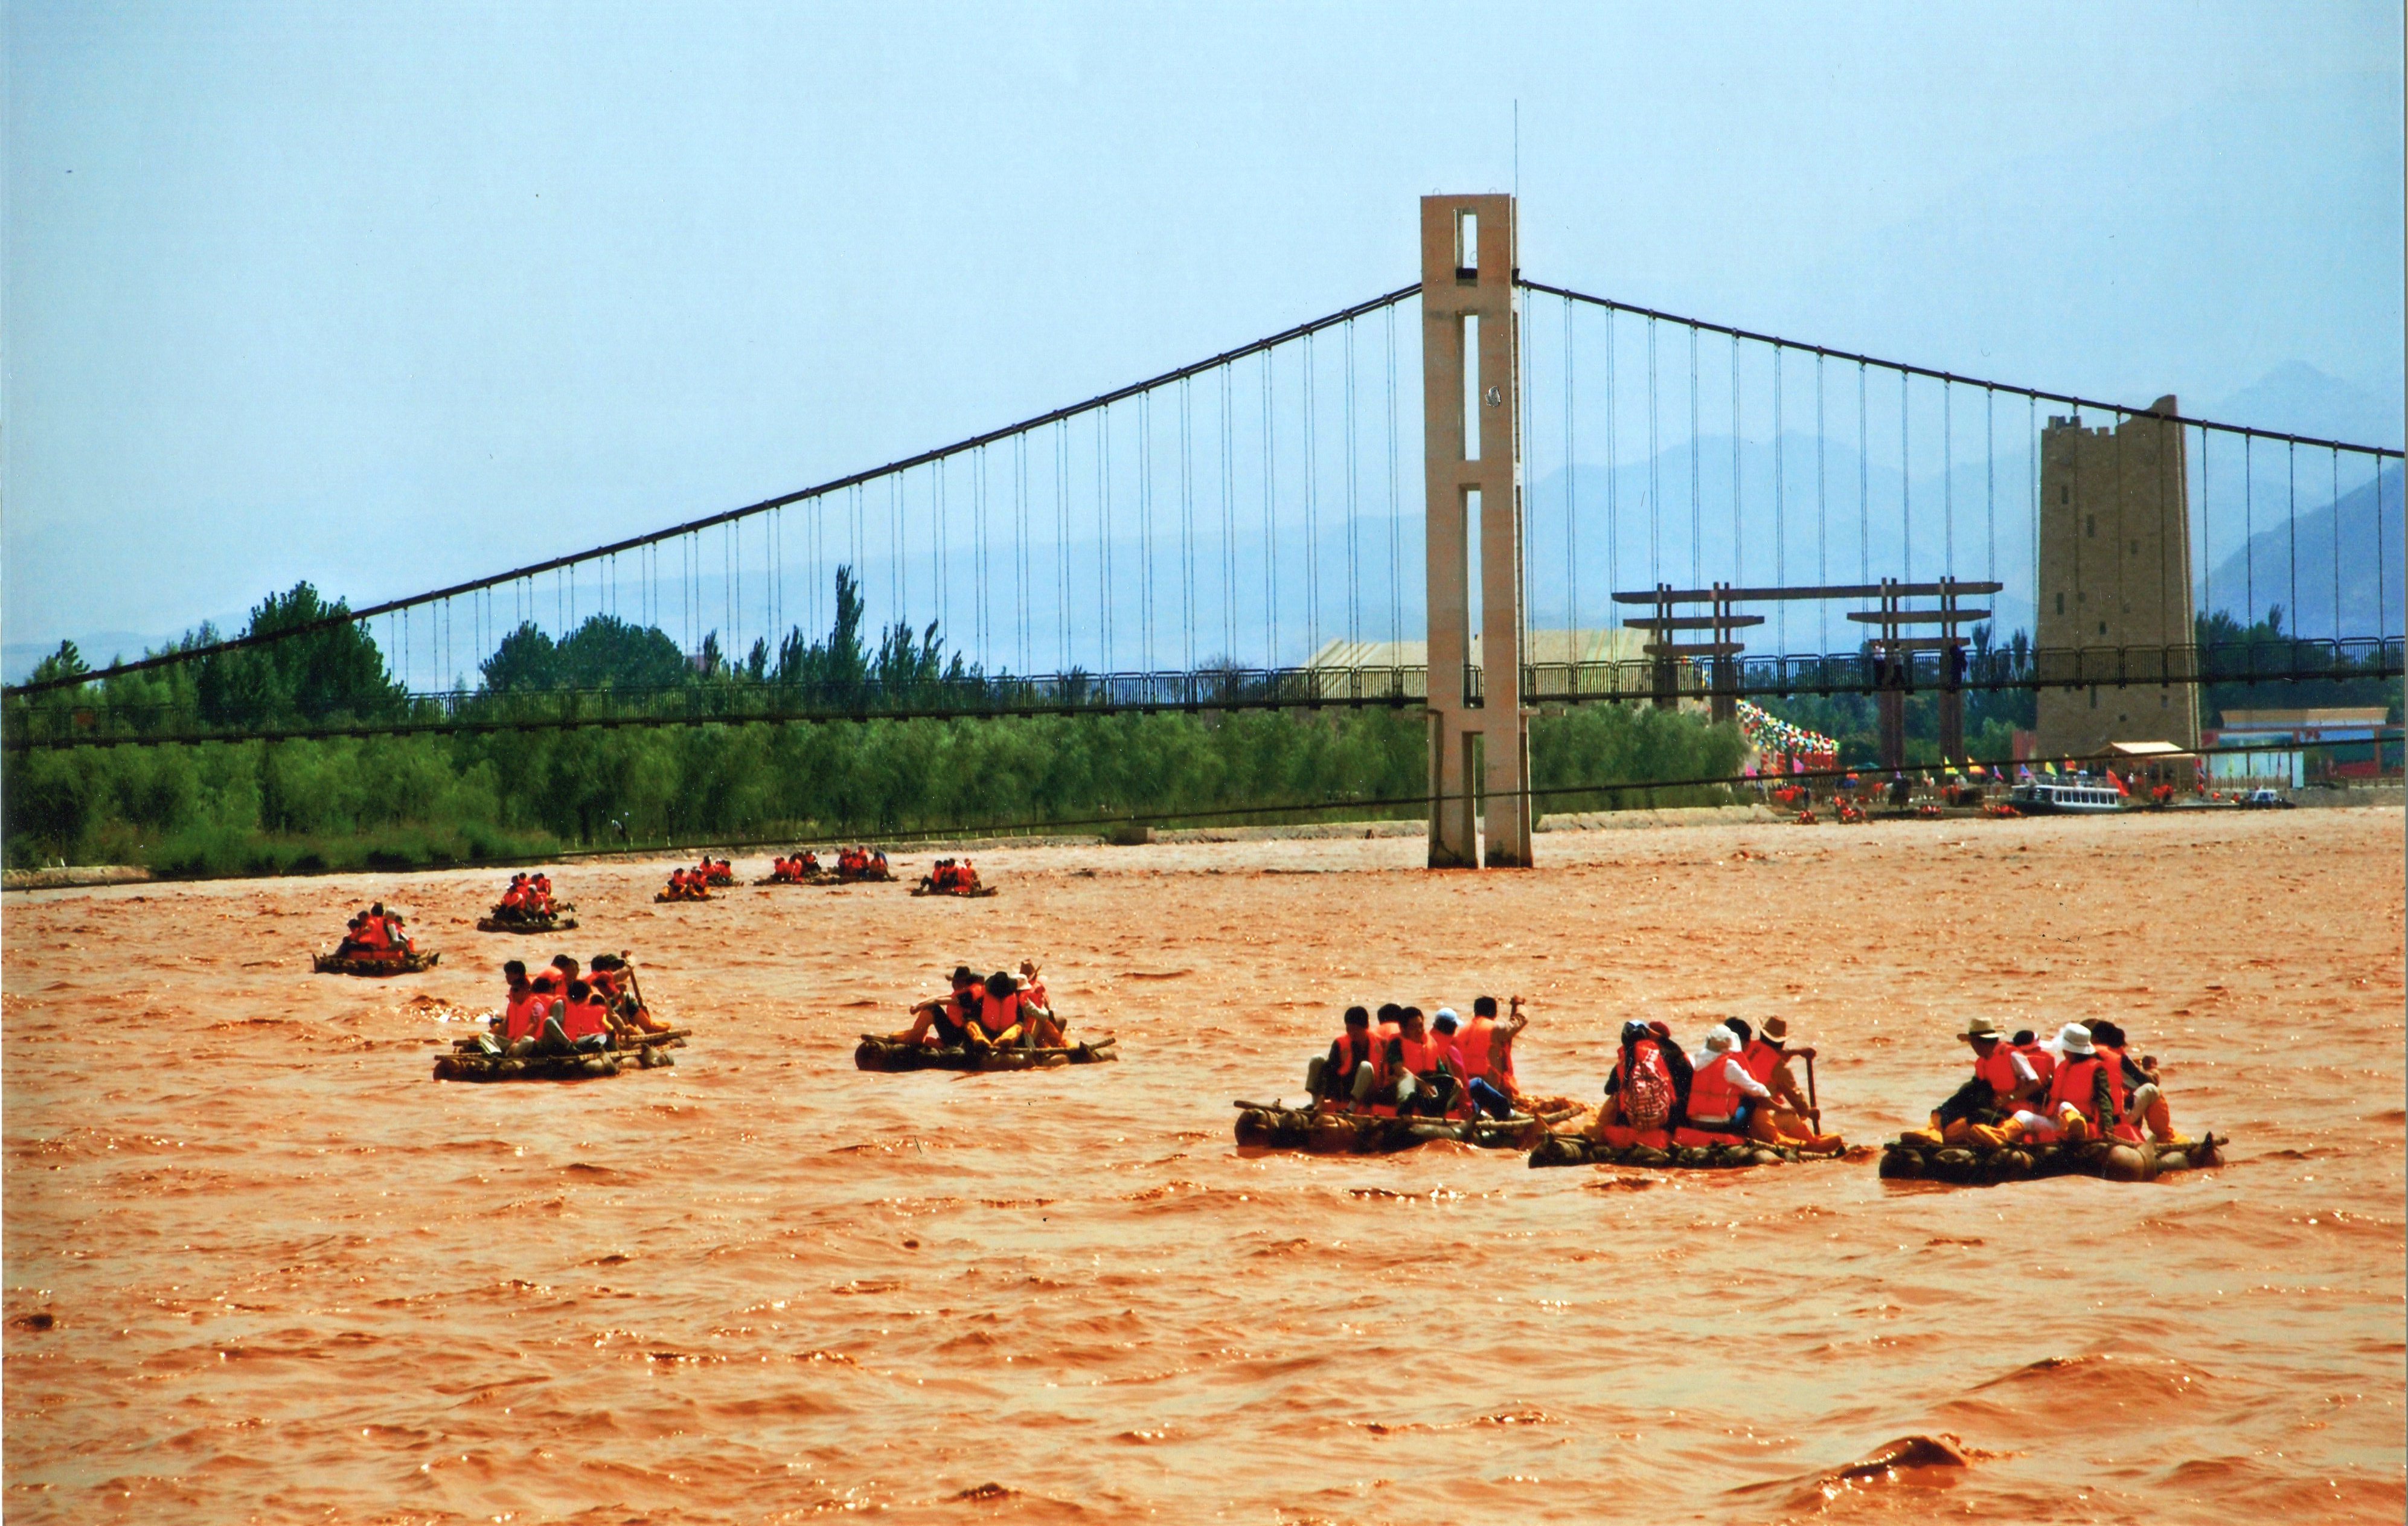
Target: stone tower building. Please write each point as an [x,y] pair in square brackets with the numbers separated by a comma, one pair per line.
[2115,587]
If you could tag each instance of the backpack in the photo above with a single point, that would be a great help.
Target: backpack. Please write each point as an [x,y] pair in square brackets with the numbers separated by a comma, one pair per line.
[1648,1089]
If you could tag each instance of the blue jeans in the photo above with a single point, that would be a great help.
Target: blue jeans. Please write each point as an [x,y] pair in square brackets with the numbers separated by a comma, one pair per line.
[1489,1100]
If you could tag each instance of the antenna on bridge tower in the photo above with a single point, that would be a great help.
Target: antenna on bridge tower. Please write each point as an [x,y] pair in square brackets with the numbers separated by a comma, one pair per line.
[1480,735]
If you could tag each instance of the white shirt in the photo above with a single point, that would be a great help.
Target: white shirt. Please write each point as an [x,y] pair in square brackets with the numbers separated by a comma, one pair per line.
[1733,1070]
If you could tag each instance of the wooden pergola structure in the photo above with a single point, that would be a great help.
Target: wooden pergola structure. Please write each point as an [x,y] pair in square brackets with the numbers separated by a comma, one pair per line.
[1894,645]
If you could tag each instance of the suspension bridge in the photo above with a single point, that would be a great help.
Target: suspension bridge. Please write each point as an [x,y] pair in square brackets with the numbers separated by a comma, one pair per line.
[1614,505]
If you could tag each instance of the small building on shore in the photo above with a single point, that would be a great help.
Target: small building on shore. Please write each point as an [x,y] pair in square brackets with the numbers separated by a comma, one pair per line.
[2250,748]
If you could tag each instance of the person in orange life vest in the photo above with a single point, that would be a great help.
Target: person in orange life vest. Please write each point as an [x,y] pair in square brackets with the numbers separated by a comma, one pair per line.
[2084,1096]
[1767,1058]
[611,977]
[878,863]
[948,1017]
[1428,1079]
[539,895]
[1791,1119]
[524,1010]
[375,934]
[1649,1083]
[1722,1094]
[515,897]
[1987,1098]
[999,1018]
[1356,1059]
[2036,1055]
[1484,1049]
[2138,1098]
[577,1025]
[1045,1030]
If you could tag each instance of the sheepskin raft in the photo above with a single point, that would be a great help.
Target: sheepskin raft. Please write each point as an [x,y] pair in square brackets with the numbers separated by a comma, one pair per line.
[489,923]
[1988,1165]
[466,1062]
[347,964]
[1586,1150]
[979,893]
[878,1052]
[1272,1125]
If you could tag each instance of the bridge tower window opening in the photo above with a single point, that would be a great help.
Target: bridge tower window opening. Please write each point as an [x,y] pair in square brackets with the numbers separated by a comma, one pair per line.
[1471,328]
[1474,602]
[1466,247]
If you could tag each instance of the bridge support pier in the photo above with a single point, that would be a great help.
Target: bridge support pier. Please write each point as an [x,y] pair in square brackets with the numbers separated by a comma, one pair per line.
[1480,735]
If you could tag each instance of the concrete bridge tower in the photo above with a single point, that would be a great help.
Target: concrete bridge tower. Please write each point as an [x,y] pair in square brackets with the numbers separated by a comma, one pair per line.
[1478,734]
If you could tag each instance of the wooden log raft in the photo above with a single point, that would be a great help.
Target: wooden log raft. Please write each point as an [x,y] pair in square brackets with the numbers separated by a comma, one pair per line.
[979,893]
[648,1051]
[492,922]
[1988,1165]
[879,1052]
[1270,1126]
[348,964]
[1585,1151]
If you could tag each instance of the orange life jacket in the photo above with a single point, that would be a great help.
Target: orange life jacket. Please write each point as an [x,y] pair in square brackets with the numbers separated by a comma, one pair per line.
[1425,1055]
[2044,1064]
[2072,1083]
[2113,1058]
[997,1015]
[1998,1069]
[372,934]
[1713,1095]
[523,1016]
[1760,1059]
[580,1018]
[1353,1049]
[1471,1048]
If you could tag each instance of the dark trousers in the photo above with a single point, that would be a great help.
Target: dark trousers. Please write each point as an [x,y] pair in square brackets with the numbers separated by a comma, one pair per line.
[1973,1102]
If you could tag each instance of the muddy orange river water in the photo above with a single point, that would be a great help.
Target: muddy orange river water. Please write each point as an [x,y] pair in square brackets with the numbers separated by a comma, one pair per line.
[260,1266]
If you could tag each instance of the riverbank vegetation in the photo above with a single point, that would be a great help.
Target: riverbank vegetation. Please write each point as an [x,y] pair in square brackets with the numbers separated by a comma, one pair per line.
[502,795]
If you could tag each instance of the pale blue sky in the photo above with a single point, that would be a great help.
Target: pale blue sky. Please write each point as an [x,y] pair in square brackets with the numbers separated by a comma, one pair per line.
[389,295]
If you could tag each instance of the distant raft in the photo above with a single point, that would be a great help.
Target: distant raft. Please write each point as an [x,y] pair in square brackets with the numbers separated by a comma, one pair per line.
[1587,1150]
[466,1062]
[978,892]
[879,1052]
[353,964]
[1991,1165]
[492,922]
[662,897]
[1272,1125]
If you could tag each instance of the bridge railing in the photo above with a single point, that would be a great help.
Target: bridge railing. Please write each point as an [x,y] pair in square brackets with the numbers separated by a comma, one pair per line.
[89,717]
